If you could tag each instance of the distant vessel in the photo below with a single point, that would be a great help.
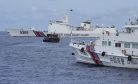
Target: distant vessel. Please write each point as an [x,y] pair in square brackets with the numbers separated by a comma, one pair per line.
[64,29]
[118,50]
[25,32]
[54,38]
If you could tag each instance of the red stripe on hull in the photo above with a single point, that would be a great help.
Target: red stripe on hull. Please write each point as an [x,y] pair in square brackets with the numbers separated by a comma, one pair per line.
[97,62]
[39,34]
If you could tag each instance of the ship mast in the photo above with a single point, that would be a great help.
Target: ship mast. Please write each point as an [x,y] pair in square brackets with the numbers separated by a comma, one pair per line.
[66,18]
[71,35]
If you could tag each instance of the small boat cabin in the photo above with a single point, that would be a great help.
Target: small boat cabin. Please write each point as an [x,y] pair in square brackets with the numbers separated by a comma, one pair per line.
[51,38]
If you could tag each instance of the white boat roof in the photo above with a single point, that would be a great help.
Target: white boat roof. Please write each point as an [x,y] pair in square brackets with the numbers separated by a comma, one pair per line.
[123,38]
[131,26]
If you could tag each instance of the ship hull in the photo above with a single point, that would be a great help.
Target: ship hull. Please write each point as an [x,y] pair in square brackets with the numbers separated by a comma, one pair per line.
[91,57]
[25,33]
[98,32]
[51,40]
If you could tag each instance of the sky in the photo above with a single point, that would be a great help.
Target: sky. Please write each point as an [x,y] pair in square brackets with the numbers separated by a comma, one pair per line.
[37,13]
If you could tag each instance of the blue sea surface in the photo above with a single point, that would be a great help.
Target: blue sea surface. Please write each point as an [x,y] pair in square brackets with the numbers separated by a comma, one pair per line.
[27,60]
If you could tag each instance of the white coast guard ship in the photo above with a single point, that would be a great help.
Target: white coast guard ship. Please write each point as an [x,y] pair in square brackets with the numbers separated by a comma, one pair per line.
[119,50]
[31,32]
[63,28]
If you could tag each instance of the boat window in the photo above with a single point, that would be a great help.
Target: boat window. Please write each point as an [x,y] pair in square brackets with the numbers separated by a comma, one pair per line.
[128,30]
[59,21]
[67,34]
[84,34]
[104,43]
[117,44]
[75,34]
[135,45]
[127,45]
[109,43]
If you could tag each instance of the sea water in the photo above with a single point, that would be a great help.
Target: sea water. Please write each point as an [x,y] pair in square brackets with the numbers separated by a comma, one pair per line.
[27,60]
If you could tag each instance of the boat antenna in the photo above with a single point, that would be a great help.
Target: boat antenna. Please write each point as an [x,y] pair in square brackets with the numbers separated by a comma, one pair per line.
[71,35]
[66,20]
[103,30]
[71,10]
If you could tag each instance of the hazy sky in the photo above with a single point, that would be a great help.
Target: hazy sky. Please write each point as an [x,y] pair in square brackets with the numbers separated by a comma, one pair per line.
[37,13]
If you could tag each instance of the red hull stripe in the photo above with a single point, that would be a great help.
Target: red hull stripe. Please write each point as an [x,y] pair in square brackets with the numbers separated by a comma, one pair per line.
[39,34]
[36,33]
[94,56]
[98,59]
[42,34]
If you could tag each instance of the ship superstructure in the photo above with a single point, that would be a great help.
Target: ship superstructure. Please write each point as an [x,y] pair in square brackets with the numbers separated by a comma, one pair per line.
[63,28]
[118,50]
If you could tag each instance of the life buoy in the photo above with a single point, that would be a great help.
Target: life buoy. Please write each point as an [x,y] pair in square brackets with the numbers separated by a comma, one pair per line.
[82,49]
[103,53]
[129,58]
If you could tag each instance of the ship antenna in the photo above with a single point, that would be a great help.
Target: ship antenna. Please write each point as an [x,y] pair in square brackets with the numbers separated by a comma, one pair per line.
[103,30]
[66,20]
[71,10]
[71,35]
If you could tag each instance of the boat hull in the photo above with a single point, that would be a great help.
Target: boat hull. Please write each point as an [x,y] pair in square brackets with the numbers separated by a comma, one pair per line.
[51,40]
[92,57]
[25,33]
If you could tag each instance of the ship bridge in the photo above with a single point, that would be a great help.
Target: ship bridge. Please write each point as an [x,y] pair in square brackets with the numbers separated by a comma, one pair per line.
[131,27]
